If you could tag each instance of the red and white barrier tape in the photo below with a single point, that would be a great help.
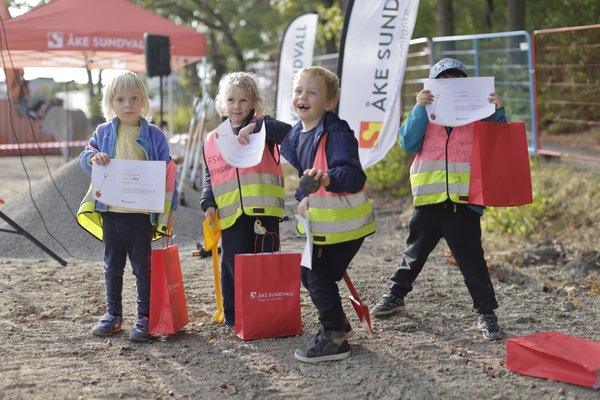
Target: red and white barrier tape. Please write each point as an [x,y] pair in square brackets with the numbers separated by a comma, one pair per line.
[43,145]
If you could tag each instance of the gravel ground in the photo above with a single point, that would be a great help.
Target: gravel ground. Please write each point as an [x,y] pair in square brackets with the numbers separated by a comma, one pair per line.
[433,351]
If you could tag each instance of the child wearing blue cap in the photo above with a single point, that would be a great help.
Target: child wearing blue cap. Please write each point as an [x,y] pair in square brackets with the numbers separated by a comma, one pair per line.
[442,210]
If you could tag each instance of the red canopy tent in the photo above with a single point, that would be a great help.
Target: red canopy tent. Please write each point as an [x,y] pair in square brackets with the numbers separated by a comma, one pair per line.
[94,34]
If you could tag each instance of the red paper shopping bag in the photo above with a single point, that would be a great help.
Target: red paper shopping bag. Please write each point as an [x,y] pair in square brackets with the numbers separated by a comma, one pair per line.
[168,308]
[500,171]
[555,356]
[267,295]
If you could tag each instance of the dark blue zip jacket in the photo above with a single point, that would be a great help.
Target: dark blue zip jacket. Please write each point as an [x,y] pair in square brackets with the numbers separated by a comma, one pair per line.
[344,168]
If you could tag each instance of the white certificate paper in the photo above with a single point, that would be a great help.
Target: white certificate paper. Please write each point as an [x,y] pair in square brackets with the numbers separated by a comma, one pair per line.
[306,260]
[236,154]
[459,101]
[133,184]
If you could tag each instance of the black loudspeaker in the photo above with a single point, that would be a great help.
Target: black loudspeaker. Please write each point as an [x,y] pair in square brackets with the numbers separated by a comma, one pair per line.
[158,55]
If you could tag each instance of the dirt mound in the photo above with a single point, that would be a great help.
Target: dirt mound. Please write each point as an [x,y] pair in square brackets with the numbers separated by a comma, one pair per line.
[48,214]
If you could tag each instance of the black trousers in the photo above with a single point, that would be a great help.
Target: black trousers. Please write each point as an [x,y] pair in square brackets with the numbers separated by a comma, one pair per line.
[461,228]
[328,266]
[239,239]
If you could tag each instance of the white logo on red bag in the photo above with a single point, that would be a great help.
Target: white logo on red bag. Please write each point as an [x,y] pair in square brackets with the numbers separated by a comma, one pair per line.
[271,296]
[172,287]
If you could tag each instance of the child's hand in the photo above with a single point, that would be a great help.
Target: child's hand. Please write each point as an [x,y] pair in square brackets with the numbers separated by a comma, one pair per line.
[244,135]
[170,223]
[424,97]
[496,99]
[210,212]
[100,159]
[303,207]
[319,175]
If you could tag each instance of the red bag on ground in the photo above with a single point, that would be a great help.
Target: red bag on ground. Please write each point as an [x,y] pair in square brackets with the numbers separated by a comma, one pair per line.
[555,356]
[267,295]
[500,171]
[168,308]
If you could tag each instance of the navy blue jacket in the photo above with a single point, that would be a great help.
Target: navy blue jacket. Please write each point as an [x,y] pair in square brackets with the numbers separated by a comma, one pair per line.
[344,168]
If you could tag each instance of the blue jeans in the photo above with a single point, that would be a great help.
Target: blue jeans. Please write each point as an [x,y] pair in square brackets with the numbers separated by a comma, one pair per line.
[127,235]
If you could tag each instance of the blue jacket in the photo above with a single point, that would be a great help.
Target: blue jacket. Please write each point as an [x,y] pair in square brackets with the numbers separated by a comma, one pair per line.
[344,168]
[151,139]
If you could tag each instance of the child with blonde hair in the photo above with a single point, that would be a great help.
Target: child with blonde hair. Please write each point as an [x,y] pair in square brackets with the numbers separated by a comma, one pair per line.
[323,147]
[127,134]
[249,201]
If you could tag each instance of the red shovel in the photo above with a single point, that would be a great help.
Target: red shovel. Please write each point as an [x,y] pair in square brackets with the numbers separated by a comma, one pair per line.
[362,310]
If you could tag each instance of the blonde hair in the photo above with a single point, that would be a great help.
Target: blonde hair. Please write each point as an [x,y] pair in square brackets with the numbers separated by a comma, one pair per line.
[329,80]
[123,82]
[243,80]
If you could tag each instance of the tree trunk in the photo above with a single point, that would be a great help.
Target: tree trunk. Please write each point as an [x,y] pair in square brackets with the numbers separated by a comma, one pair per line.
[516,15]
[516,22]
[488,13]
[445,25]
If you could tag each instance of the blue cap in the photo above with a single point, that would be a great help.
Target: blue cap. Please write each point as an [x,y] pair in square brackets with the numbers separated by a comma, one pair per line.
[446,64]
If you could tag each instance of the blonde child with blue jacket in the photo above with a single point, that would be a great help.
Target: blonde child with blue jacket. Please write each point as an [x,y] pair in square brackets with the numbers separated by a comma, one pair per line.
[126,134]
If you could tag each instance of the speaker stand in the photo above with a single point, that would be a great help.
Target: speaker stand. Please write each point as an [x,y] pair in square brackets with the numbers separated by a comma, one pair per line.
[20,231]
[161,99]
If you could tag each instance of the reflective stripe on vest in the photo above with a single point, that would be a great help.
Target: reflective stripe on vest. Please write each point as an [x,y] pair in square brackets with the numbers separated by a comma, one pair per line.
[87,216]
[442,168]
[338,217]
[254,191]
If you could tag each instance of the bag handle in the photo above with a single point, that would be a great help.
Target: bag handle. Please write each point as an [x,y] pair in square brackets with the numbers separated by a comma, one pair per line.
[268,234]
[166,239]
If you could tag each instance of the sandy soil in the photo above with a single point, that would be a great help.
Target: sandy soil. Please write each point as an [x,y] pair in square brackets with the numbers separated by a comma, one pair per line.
[434,351]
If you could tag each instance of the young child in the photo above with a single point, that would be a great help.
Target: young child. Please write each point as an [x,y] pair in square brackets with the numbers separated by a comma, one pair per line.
[249,201]
[441,210]
[323,146]
[126,232]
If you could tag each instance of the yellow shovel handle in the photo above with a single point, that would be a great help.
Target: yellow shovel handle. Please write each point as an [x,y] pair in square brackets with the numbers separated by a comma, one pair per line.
[219,316]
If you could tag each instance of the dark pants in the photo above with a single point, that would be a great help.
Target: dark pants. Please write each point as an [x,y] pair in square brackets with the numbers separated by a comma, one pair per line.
[328,266]
[239,239]
[460,227]
[127,235]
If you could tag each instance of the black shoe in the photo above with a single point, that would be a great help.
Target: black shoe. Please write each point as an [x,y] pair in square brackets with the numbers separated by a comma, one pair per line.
[348,329]
[488,324]
[325,346]
[388,305]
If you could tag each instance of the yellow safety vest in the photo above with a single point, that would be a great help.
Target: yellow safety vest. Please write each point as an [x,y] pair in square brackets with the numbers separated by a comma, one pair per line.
[442,167]
[338,217]
[254,191]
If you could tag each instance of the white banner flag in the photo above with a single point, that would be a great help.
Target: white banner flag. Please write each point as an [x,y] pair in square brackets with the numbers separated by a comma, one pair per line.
[372,63]
[296,53]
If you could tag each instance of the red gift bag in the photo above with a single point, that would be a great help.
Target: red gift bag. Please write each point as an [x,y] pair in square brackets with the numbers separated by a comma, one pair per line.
[168,308]
[500,171]
[267,295]
[555,356]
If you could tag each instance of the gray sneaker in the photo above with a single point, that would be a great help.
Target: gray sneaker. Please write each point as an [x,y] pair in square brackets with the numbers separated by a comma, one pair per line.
[108,325]
[488,324]
[139,332]
[325,346]
[388,305]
